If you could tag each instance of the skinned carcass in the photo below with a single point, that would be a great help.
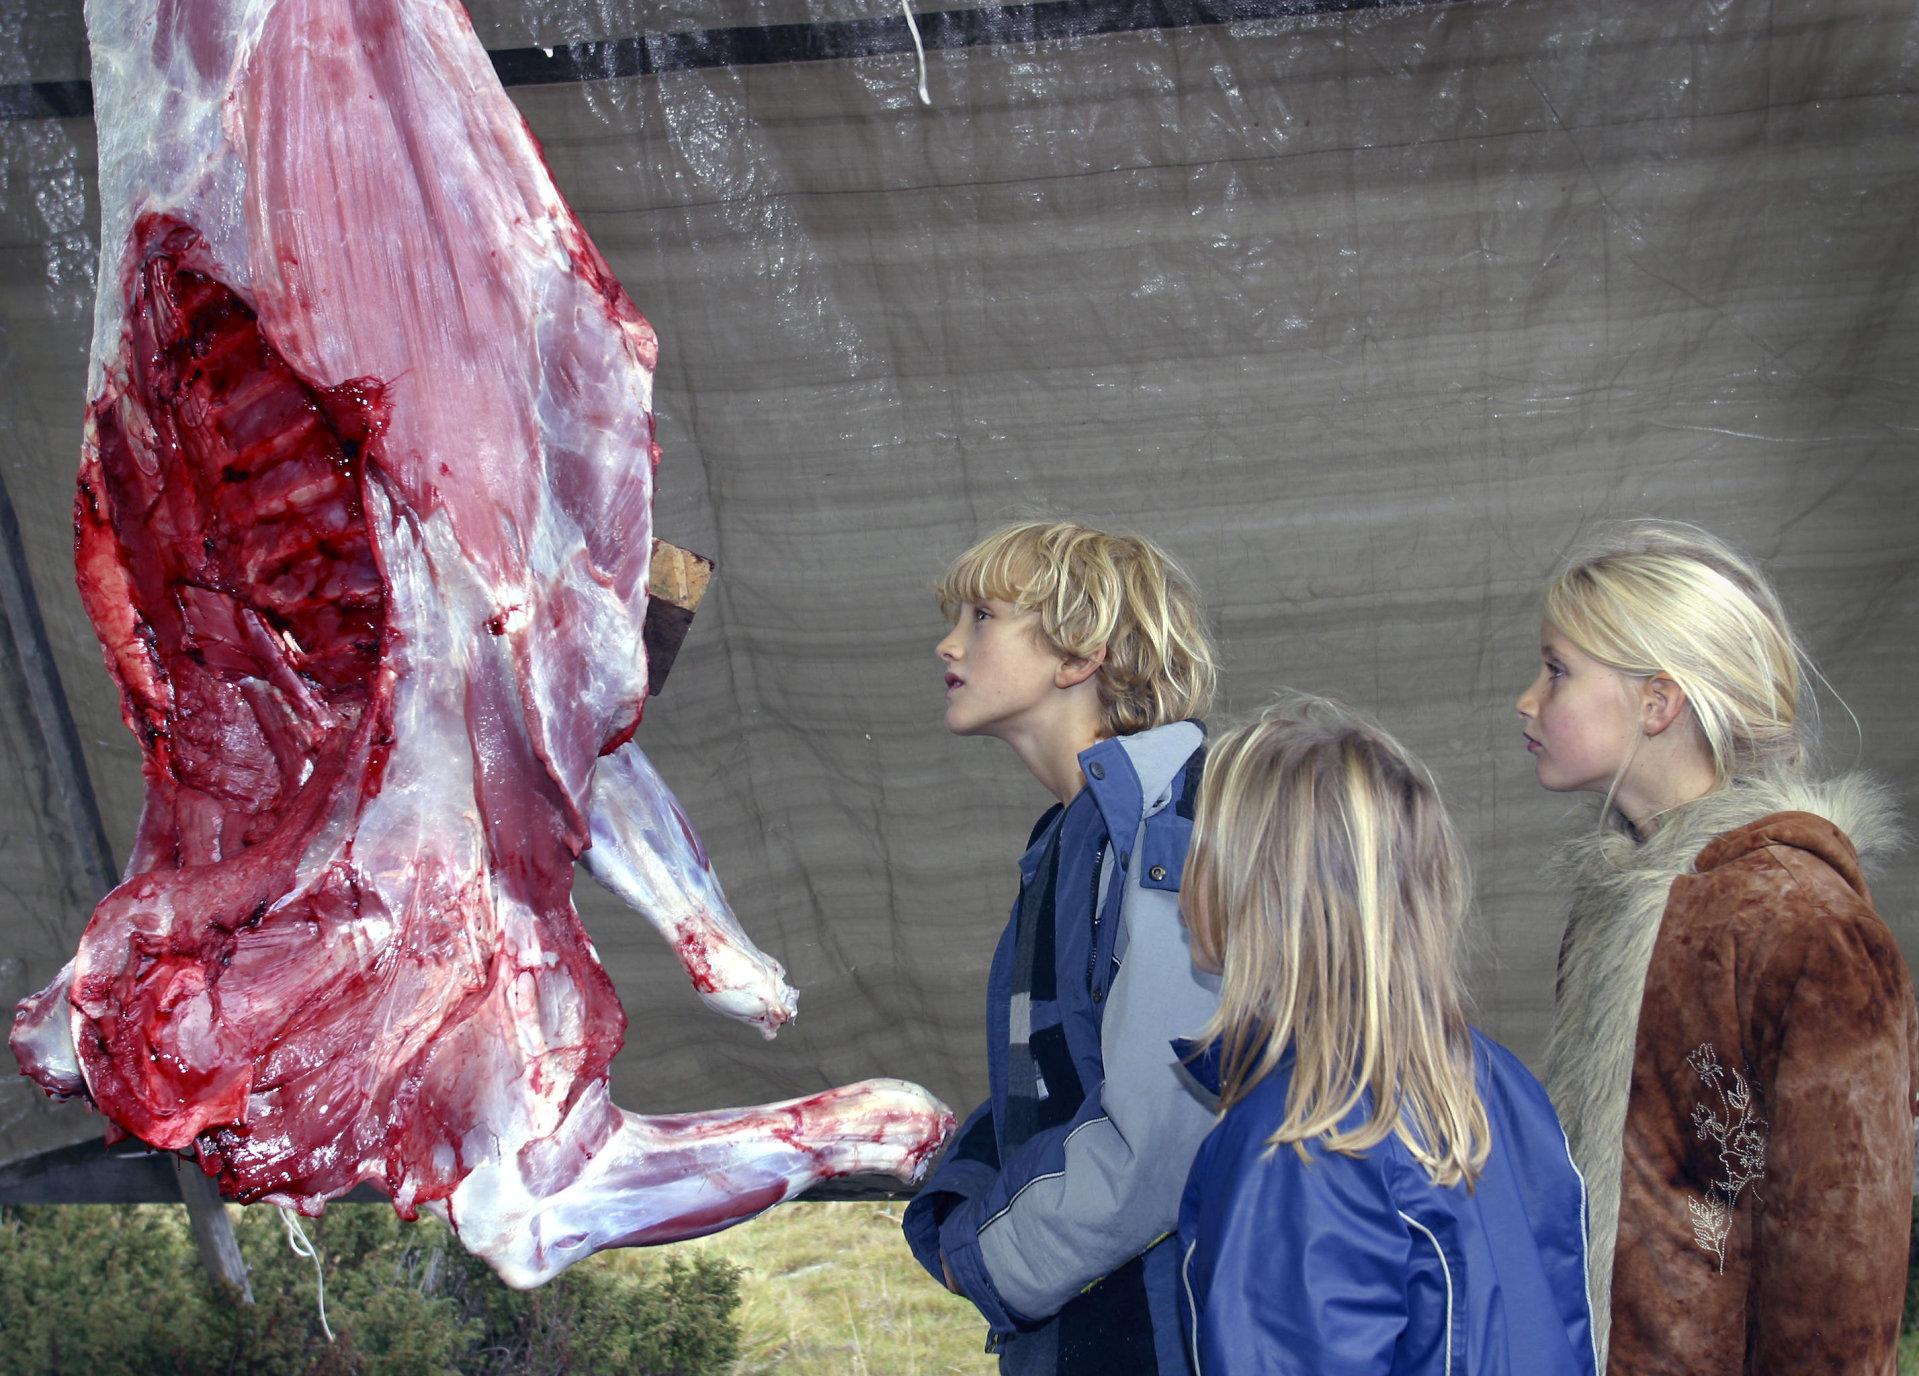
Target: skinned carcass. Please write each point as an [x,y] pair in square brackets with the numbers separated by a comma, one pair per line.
[364,525]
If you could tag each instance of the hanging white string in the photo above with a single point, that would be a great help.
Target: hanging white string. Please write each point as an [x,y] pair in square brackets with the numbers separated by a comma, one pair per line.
[297,1240]
[906,8]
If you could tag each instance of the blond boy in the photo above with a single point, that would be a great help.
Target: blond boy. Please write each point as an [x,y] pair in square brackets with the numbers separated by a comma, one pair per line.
[1085,653]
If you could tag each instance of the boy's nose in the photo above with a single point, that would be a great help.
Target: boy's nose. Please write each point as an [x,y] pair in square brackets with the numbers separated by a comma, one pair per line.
[1526,704]
[948,648]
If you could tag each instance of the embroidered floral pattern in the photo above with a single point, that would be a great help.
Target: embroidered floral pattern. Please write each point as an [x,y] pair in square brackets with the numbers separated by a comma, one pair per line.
[1741,1136]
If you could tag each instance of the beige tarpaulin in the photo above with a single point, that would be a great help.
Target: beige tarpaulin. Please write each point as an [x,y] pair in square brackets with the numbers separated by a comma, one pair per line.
[1365,311]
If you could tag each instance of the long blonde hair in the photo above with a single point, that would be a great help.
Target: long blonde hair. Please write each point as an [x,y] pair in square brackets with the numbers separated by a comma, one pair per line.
[1326,879]
[1666,598]
[1095,590]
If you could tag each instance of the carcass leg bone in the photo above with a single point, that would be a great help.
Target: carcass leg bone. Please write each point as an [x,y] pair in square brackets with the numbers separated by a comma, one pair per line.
[646,851]
[636,1180]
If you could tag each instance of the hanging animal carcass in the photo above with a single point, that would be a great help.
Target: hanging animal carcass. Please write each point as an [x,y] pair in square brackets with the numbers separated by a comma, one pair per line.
[364,525]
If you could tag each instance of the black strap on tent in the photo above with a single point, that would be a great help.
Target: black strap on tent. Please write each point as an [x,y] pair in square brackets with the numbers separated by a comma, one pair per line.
[752,46]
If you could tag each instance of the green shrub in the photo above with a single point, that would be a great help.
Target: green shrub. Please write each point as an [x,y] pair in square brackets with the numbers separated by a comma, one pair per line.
[92,1290]
[600,1322]
[105,1289]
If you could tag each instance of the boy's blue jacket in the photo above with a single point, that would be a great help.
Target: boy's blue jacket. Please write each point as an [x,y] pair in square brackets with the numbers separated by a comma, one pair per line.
[1340,1265]
[1047,1238]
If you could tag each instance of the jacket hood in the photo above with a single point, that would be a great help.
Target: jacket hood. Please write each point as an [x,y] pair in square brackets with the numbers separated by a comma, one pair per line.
[1619,887]
[1831,841]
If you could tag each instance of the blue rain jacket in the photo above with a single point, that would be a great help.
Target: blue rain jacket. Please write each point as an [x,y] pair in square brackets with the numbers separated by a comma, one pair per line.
[1063,1241]
[1361,1266]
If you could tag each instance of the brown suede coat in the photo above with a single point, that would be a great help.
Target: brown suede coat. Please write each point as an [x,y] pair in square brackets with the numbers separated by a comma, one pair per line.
[1766,1181]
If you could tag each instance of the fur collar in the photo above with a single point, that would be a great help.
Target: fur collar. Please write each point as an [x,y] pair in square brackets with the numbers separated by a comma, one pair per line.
[1619,890]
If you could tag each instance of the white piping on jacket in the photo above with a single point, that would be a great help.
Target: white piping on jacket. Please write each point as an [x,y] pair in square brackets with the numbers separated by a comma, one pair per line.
[1192,1305]
[1446,1271]
[1585,1256]
[1050,1175]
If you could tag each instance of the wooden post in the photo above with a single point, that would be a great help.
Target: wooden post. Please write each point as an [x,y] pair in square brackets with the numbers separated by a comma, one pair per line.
[212,1229]
[23,639]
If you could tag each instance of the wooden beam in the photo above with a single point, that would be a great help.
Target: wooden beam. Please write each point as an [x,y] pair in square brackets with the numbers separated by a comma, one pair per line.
[91,1172]
[219,1248]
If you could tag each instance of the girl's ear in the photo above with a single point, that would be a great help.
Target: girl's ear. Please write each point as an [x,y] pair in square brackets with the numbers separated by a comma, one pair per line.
[1661,703]
[1073,672]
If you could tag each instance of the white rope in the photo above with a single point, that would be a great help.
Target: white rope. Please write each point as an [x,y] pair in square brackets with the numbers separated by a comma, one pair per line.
[906,8]
[297,1240]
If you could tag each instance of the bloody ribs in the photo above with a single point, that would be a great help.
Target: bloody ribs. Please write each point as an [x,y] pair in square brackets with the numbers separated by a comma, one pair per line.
[364,523]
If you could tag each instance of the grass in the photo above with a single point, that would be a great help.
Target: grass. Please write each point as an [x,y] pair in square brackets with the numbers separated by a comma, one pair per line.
[831,1290]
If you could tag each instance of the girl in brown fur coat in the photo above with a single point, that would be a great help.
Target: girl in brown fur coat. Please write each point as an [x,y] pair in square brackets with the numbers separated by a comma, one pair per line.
[1735,1050]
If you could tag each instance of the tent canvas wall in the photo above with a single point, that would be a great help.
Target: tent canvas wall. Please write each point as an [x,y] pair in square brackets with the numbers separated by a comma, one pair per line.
[1367,311]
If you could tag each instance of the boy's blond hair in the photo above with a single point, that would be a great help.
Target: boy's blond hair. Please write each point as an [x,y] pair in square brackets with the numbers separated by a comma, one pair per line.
[1664,597]
[1095,590]
[1326,881]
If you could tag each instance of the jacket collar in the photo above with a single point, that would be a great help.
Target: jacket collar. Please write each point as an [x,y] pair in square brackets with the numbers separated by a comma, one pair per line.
[1201,1061]
[1617,870]
[1127,774]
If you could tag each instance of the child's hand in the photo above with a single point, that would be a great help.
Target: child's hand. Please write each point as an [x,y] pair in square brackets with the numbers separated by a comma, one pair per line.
[947,1271]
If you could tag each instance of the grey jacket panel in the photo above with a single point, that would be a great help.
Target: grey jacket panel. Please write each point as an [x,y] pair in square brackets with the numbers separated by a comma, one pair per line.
[1119,1188]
